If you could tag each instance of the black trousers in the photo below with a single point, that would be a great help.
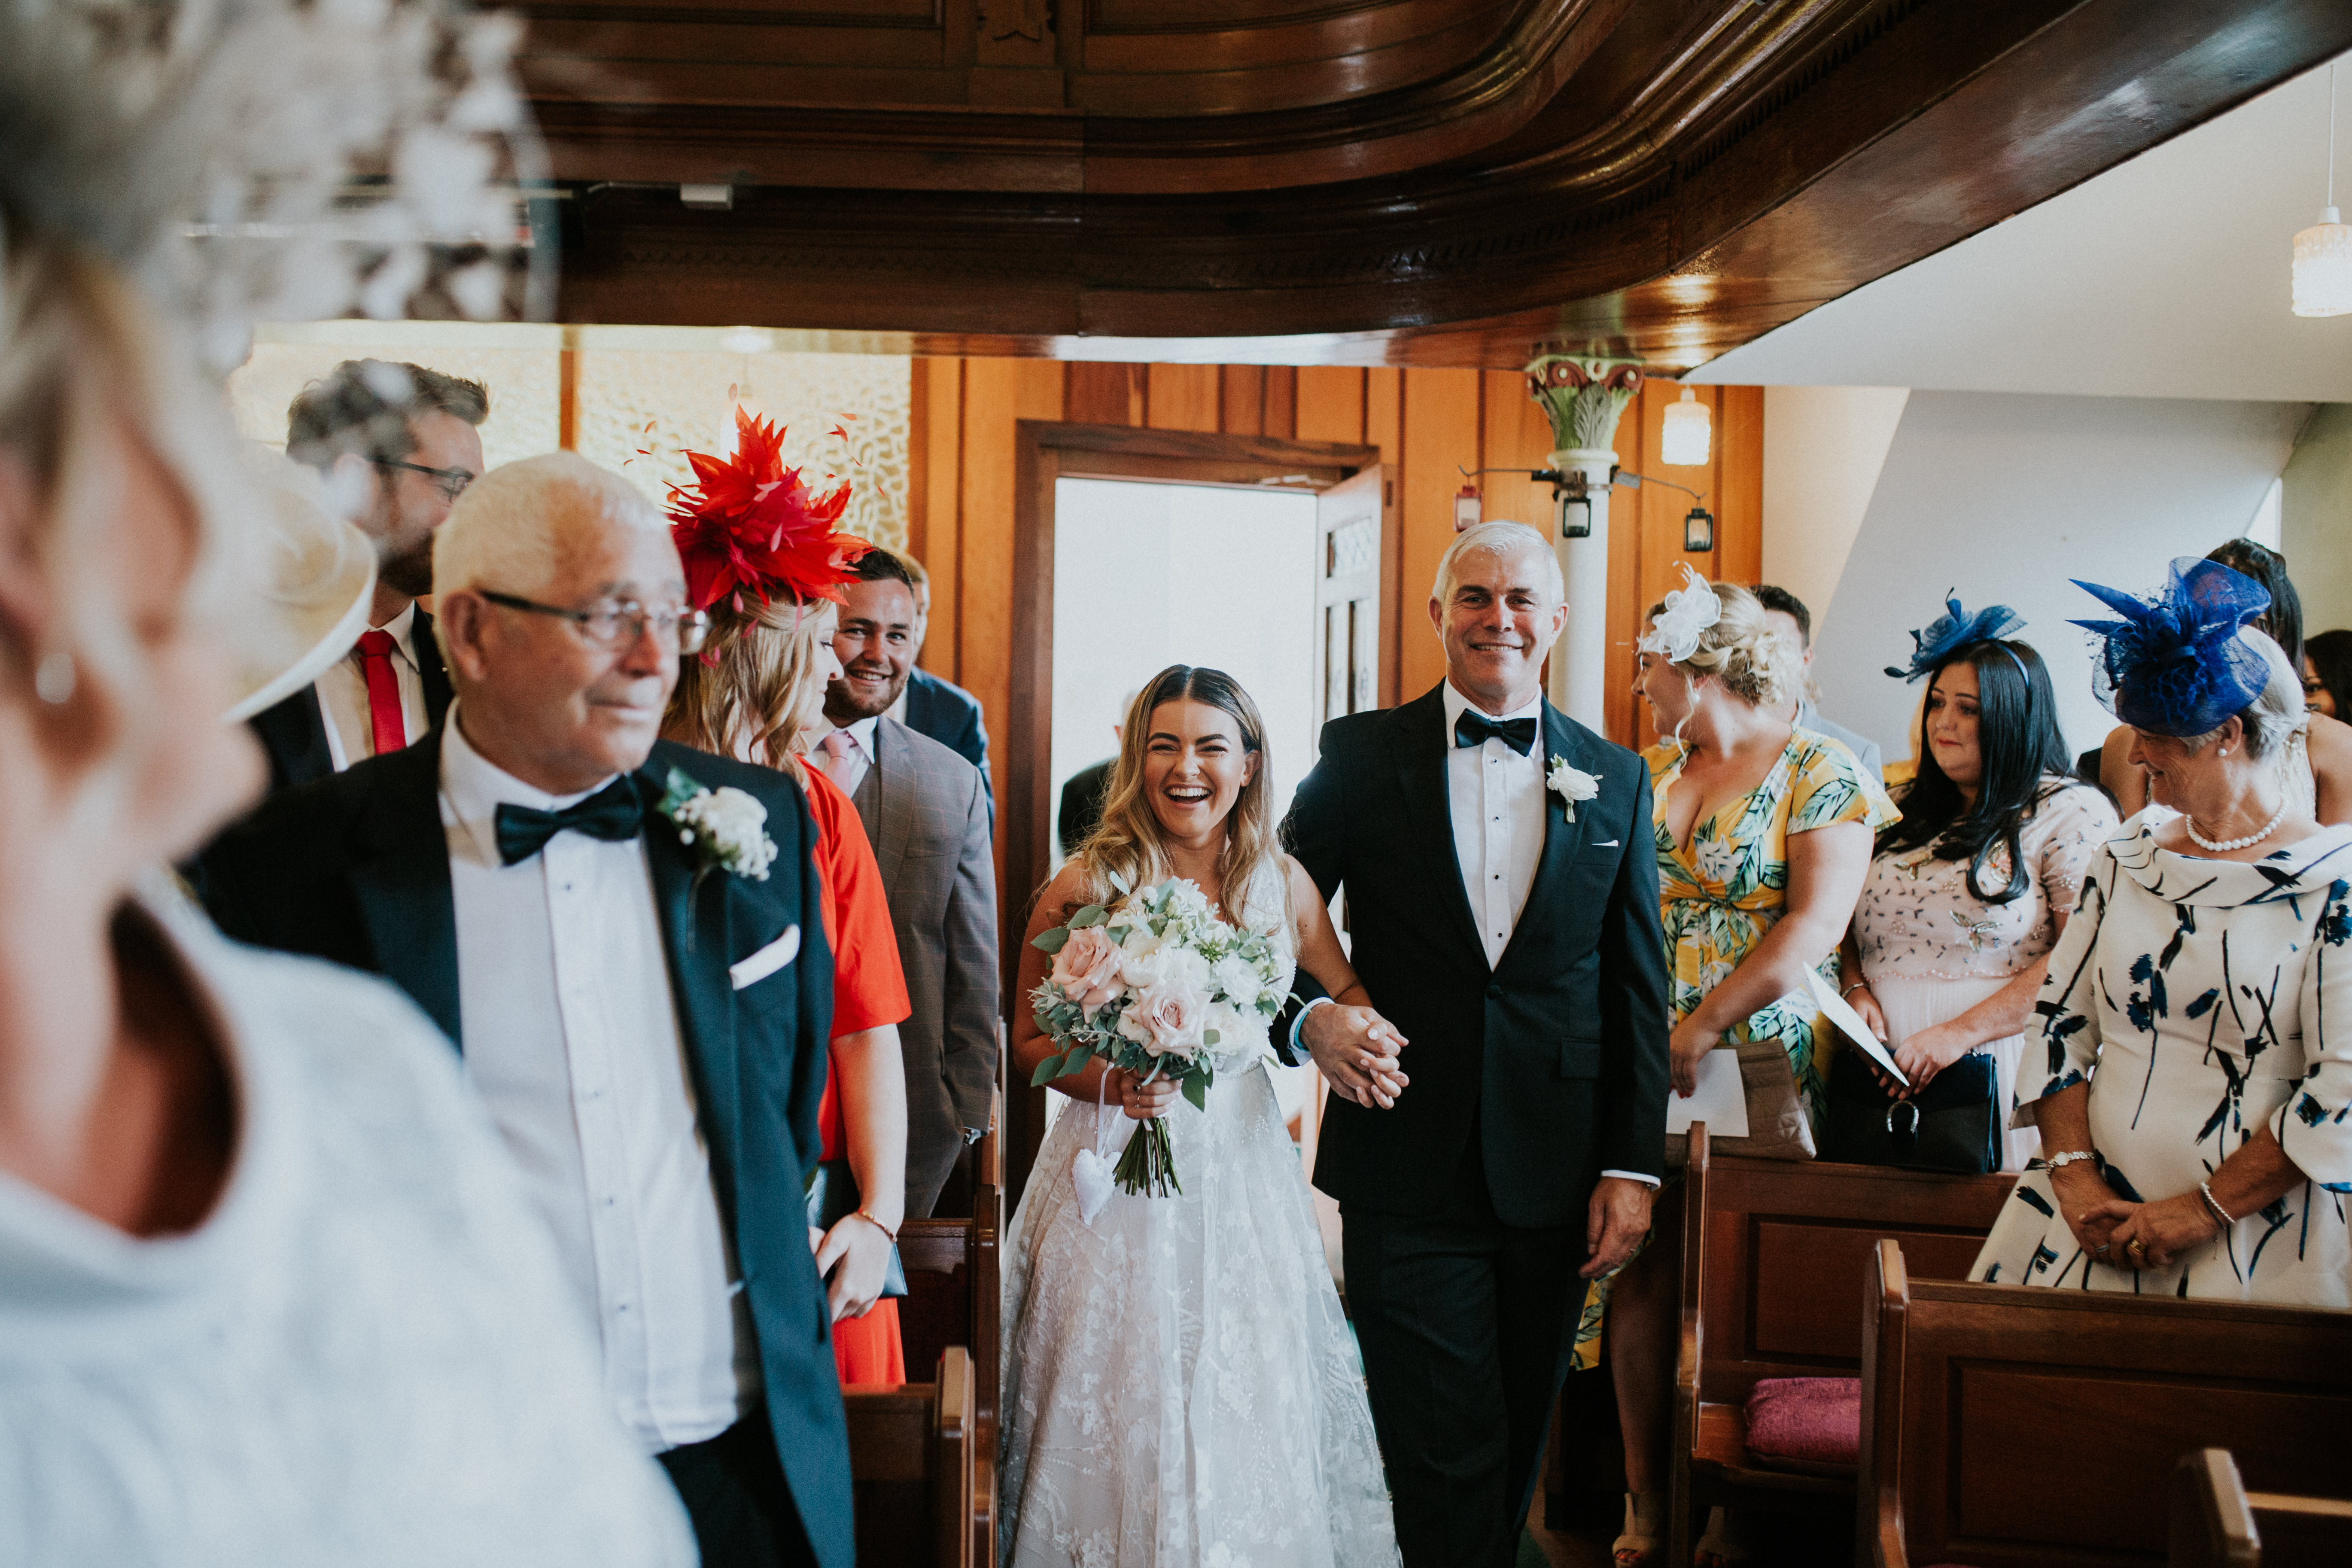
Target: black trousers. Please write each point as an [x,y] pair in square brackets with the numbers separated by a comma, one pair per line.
[1465,1324]
[734,1491]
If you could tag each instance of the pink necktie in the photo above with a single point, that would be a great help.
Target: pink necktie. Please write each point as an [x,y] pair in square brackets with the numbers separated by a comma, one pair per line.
[390,726]
[840,756]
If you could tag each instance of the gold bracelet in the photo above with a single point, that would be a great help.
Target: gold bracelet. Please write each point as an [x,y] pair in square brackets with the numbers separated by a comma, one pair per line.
[877,1225]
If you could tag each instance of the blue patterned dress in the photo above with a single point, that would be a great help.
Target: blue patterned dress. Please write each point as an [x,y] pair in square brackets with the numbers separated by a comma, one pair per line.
[2204,1001]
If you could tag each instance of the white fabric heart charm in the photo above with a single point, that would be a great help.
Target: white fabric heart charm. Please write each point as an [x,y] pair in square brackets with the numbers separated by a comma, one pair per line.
[1090,1175]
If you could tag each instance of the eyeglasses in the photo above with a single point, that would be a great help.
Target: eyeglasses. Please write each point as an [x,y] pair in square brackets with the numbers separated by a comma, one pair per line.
[619,623]
[450,483]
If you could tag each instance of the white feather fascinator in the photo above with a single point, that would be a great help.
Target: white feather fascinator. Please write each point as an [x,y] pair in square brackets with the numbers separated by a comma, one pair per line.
[288,160]
[1689,613]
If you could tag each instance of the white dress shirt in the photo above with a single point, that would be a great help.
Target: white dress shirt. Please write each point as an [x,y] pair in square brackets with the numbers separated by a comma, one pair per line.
[344,695]
[851,771]
[1496,796]
[571,1035]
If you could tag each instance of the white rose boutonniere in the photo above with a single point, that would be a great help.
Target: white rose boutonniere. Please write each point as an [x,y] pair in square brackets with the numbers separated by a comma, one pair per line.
[727,828]
[1571,784]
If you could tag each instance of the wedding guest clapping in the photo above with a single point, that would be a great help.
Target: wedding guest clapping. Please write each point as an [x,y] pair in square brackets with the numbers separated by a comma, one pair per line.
[1969,892]
[763,558]
[624,939]
[268,1289]
[2194,1097]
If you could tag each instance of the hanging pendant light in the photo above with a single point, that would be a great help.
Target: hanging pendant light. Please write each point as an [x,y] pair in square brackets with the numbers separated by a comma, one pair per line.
[2323,253]
[1684,442]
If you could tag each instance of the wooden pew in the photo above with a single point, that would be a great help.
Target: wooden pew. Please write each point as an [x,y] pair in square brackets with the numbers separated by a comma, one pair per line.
[2011,1426]
[1772,1249]
[954,1298]
[2217,1523]
[912,1462]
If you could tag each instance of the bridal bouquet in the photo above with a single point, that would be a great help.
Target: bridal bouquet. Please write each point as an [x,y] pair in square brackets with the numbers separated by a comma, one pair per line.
[1161,987]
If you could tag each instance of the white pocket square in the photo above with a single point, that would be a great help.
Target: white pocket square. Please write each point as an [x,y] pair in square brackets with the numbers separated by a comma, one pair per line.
[767,961]
[1607,843]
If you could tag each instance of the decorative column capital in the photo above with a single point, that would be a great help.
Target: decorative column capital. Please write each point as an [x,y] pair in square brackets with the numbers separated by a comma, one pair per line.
[1584,395]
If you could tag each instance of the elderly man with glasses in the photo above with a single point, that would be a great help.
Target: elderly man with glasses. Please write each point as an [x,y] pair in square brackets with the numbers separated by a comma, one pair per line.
[396,445]
[622,939]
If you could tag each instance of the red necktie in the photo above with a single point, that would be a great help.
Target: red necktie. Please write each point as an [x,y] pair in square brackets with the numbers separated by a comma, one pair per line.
[383,693]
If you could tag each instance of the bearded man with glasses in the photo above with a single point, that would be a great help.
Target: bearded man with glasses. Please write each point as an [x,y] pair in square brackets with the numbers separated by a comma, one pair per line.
[395,445]
[622,937]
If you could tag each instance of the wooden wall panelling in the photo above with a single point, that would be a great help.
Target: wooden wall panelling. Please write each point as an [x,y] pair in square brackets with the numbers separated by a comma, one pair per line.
[1281,401]
[1384,429]
[1106,394]
[998,395]
[1241,411]
[1185,396]
[1740,482]
[935,502]
[1517,436]
[1441,429]
[1331,403]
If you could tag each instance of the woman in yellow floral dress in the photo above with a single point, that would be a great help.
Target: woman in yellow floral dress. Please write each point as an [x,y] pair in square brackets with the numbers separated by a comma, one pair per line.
[1764,832]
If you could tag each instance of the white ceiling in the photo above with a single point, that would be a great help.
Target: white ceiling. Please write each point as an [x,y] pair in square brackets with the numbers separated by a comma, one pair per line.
[2164,277]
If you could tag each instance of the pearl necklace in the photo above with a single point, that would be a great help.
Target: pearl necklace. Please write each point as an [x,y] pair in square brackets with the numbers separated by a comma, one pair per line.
[2224,845]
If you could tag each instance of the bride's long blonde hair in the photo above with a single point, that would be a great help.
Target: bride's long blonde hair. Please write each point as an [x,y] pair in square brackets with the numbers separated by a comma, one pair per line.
[1125,850]
[753,692]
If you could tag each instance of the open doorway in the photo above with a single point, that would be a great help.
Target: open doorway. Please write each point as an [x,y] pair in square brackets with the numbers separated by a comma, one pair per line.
[1273,560]
[1147,575]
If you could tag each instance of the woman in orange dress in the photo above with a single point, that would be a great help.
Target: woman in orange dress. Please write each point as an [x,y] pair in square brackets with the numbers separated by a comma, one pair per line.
[762,557]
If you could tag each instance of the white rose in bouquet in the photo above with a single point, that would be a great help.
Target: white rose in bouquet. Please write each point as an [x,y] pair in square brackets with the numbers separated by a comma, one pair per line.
[1238,978]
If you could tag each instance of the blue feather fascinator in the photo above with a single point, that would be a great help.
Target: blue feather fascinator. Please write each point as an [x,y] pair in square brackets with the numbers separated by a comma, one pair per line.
[1953,630]
[2174,664]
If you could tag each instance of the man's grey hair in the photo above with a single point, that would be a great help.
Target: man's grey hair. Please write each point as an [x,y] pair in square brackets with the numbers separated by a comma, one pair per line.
[512,528]
[1511,541]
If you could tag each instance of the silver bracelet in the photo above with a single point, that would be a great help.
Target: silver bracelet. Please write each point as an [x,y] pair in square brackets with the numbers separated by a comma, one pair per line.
[2215,1204]
[2057,1161]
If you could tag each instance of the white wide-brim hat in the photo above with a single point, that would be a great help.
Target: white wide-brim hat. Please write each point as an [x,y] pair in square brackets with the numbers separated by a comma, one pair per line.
[314,580]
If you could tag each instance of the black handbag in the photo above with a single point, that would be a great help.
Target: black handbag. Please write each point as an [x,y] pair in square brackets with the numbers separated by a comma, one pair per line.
[832,1198]
[1948,1126]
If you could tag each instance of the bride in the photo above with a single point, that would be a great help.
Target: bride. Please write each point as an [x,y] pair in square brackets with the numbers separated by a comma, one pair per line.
[1180,1388]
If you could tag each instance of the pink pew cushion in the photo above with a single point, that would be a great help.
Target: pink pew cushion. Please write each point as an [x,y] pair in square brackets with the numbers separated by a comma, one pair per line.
[1811,1424]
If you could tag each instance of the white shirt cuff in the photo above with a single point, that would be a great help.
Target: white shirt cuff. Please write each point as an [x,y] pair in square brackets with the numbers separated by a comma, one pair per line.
[1633,1176]
[1299,1023]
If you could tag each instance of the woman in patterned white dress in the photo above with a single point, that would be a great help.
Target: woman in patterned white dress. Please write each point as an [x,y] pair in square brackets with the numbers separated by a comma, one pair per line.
[1969,892]
[2195,1095]
[1180,1387]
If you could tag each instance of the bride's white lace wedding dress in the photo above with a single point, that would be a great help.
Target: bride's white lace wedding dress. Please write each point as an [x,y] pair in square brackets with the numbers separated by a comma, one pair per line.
[1181,1387]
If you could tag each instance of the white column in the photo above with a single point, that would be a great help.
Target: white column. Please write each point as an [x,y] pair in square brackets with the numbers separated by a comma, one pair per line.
[1580,659]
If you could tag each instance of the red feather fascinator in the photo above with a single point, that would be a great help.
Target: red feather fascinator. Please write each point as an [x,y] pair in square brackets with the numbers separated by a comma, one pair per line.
[751,524]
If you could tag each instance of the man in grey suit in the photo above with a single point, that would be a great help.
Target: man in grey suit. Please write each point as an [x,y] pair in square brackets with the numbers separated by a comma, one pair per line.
[927,811]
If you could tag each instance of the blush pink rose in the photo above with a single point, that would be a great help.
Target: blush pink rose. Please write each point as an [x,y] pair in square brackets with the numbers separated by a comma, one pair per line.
[1086,969]
[1171,1018]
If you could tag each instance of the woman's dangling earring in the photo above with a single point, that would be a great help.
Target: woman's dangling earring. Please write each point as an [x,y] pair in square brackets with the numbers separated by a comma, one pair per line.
[53,681]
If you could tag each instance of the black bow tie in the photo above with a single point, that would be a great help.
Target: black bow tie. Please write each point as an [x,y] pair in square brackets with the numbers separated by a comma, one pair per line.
[1475,729]
[613,813]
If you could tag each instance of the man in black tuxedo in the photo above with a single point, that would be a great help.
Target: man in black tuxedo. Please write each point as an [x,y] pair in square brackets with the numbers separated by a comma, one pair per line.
[396,445]
[646,1017]
[1518,950]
